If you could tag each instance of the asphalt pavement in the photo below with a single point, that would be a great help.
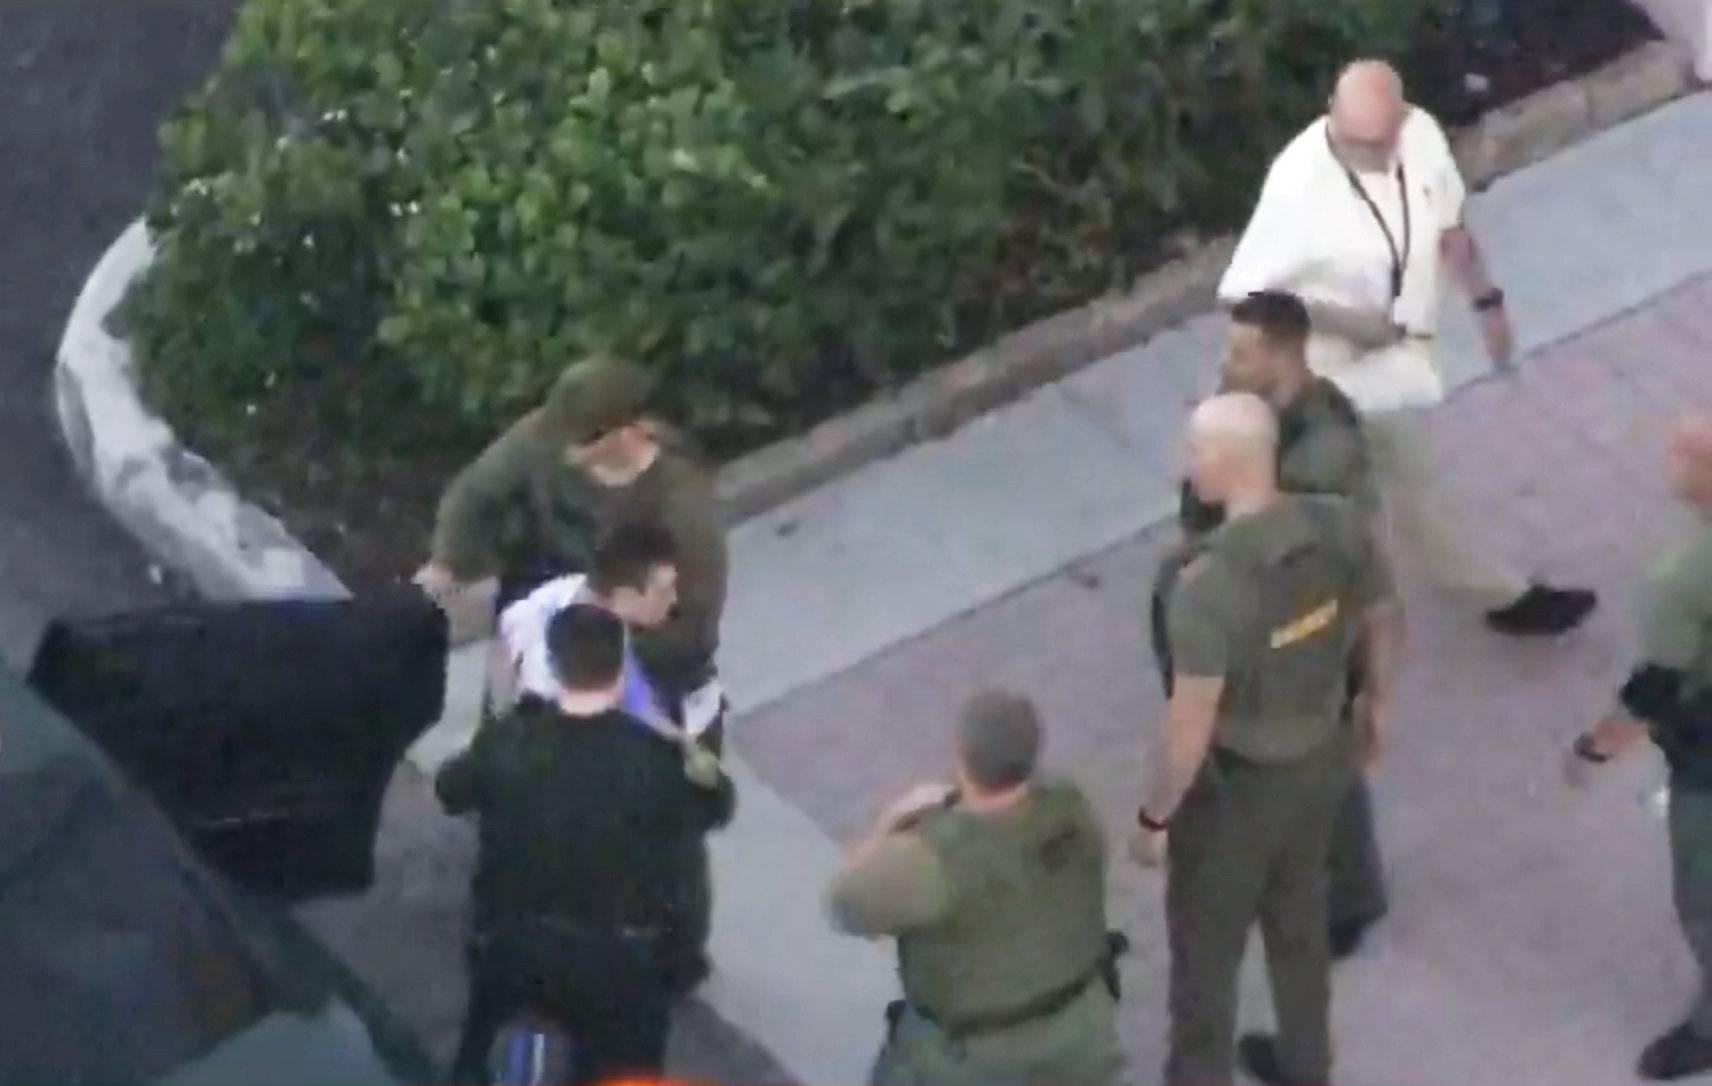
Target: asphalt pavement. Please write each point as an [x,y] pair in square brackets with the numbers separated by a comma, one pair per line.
[87,83]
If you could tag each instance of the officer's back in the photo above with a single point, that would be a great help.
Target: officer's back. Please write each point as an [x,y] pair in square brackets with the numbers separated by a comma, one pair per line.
[583,813]
[996,894]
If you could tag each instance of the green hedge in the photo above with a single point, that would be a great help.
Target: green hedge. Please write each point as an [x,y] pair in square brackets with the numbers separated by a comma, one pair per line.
[411,213]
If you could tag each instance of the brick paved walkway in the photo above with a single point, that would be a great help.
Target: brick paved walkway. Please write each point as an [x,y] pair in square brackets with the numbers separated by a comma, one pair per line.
[1531,938]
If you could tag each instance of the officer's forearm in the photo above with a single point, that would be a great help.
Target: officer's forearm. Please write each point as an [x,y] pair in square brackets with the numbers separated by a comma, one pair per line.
[1381,645]
[1189,720]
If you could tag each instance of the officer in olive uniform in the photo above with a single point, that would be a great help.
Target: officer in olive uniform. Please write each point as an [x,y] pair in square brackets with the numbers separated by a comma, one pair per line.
[995,891]
[1669,698]
[1258,750]
[531,506]
[1321,450]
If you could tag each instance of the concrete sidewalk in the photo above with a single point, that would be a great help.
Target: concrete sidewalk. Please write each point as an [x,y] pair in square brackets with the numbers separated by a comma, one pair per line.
[897,551]
[862,612]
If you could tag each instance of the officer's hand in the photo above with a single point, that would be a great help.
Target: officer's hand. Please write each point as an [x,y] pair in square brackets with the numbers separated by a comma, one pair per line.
[701,765]
[1499,338]
[436,580]
[1148,847]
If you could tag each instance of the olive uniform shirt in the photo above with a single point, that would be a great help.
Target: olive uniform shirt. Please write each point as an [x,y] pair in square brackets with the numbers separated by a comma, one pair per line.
[1676,617]
[521,505]
[1676,636]
[1273,605]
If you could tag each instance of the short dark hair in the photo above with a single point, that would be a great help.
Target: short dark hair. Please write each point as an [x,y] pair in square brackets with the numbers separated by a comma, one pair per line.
[1280,316]
[998,740]
[586,644]
[627,553]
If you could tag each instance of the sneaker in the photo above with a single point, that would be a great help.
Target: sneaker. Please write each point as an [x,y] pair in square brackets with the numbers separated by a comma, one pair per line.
[1544,610]
[1259,1054]
[1678,1054]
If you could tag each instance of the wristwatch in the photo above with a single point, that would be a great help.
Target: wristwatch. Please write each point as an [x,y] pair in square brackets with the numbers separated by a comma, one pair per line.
[1587,752]
[1149,823]
[1490,300]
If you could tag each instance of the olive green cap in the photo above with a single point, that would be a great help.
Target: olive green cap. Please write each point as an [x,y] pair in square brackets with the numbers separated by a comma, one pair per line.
[998,739]
[592,396]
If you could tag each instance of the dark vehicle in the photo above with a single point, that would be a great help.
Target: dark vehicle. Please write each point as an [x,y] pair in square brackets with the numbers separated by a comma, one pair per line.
[128,957]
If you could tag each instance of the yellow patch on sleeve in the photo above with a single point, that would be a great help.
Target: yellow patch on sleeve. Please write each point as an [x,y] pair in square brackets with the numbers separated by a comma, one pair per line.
[1305,626]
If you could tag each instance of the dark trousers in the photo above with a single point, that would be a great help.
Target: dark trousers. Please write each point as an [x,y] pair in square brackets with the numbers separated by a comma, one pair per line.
[605,992]
[1249,844]
[1691,886]
[1356,883]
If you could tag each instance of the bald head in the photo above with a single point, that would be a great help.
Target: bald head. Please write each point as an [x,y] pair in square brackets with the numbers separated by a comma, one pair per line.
[1238,422]
[1233,447]
[1366,113]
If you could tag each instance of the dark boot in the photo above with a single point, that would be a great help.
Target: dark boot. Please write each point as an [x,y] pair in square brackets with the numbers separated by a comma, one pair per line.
[1678,1054]
[1543,610]
[1345,937]
[1259,1055]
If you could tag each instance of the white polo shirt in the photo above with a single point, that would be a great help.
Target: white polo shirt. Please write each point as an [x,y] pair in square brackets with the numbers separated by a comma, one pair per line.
[1312,234]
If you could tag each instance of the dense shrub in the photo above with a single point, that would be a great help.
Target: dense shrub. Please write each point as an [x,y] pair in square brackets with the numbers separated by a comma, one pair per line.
[408,214]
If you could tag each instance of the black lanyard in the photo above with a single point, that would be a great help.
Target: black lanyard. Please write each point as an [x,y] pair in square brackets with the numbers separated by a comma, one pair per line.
[1399,260]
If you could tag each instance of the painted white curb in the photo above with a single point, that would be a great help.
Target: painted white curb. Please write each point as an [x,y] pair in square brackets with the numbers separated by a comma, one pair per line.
[175,502]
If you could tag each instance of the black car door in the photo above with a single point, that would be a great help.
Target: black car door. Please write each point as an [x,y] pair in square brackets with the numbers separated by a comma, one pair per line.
[267,730]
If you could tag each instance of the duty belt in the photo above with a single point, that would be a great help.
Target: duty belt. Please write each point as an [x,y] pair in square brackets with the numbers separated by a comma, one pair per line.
[1040,1007]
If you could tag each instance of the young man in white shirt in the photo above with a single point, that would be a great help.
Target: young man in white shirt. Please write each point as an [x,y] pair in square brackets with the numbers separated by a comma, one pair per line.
[1359,216]
[634,576]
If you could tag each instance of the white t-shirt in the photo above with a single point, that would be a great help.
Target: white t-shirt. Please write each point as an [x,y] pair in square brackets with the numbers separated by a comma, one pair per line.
[523,632]
[523,629]
[1311,233]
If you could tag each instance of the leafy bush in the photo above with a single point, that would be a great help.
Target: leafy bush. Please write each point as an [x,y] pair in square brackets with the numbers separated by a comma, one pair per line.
[407,215]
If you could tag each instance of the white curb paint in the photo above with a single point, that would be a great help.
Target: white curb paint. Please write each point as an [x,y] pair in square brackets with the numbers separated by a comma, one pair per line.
[174,501]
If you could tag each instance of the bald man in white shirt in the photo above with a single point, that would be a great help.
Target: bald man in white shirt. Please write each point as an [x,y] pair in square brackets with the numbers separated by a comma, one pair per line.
[1360,216]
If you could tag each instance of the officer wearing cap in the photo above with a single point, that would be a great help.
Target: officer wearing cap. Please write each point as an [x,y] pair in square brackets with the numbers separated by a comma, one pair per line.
[995,892]
[531,506]
[1257,749]
[1669,698]
[1321,450]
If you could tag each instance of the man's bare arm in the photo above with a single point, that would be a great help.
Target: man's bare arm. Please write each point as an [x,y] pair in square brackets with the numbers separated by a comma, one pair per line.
[1190,717]
[1381,645]
[1463,258]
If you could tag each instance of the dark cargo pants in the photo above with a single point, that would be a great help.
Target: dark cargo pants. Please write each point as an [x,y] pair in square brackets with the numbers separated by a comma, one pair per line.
[1356,871]
[1249,843]
[1691,884]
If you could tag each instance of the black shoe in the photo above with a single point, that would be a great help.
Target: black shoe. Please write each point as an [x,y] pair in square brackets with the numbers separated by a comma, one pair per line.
[1678,1054]
[1345,936]
[1543,610]
[1259,1054]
